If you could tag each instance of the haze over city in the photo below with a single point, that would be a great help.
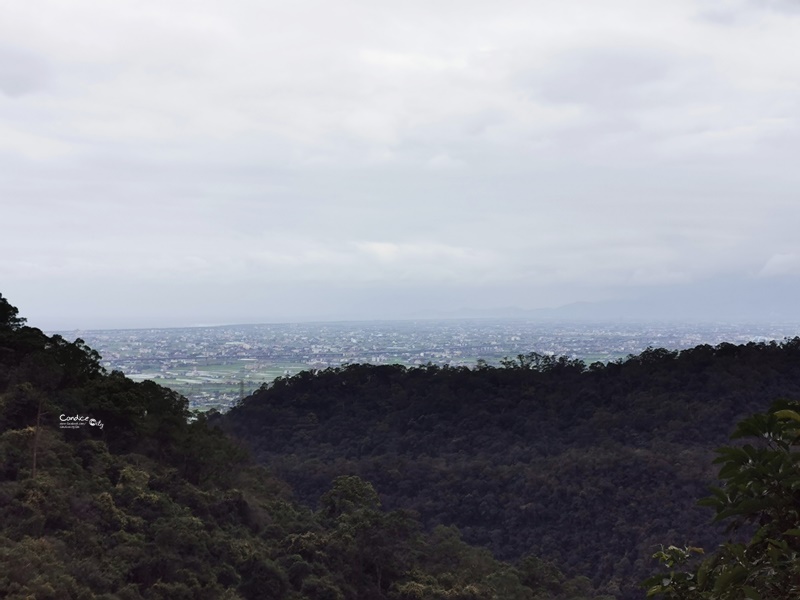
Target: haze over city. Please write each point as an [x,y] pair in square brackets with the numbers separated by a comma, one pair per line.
[173,164]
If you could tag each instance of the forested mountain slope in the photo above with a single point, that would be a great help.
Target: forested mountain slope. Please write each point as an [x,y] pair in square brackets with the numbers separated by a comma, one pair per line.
[592,467]
[109,490]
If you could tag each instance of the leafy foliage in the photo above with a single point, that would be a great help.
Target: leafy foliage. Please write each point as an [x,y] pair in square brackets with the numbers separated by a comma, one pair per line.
[760,493]
[9,315]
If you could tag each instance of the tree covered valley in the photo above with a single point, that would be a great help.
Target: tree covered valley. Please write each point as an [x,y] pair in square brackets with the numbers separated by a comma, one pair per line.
[589,467]
[544,478]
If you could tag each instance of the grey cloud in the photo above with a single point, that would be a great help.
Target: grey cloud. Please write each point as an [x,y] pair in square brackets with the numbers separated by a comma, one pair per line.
[741,13]
[781,264]
[603,76]
[791,7]
[723,16]
[22,72]
[478,123]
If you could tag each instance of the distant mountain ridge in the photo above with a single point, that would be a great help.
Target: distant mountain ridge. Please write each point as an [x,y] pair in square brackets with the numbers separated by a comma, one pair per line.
[716,300]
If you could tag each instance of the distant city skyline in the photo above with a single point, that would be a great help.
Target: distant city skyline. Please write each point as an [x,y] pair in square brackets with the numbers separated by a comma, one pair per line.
[215,366]
[166,164]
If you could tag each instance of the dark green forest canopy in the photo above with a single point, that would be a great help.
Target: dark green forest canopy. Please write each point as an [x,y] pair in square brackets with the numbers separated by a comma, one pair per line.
[9,318]
[149,501]
[591,467]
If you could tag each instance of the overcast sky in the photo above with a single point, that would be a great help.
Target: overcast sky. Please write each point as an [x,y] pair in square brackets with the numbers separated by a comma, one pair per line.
[192,162]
